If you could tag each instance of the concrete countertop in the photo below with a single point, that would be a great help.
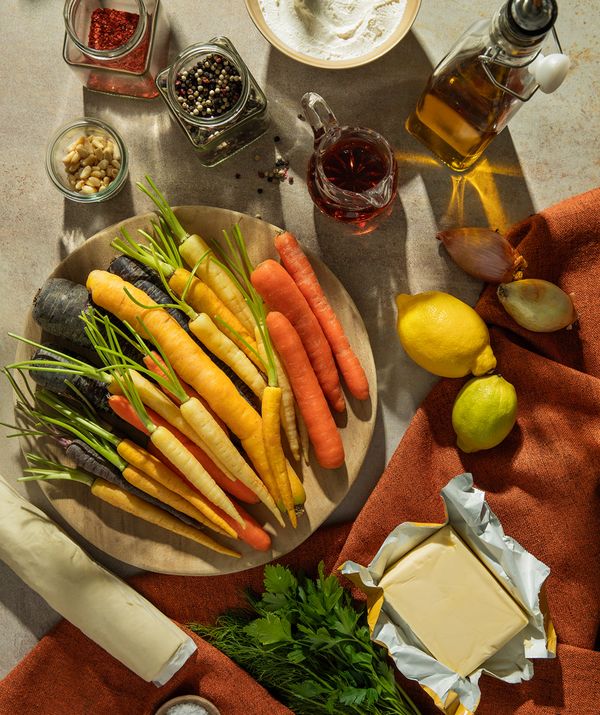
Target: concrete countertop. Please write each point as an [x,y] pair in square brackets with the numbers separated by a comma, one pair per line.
[549,152]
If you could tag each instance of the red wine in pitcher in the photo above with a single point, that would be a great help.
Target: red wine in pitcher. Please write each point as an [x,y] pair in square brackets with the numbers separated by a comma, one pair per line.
[341,176]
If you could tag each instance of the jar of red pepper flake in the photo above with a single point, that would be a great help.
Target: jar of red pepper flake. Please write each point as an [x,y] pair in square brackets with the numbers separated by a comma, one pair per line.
[117,46]
[214,99]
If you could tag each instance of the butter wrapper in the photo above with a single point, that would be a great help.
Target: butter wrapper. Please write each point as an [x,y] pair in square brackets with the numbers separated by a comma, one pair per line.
[520,573]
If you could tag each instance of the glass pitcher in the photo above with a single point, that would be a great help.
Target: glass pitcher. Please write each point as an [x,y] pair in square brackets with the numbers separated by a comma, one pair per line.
[352,174]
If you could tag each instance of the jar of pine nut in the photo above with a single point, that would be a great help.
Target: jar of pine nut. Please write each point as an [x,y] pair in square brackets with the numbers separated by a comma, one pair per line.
[87,161]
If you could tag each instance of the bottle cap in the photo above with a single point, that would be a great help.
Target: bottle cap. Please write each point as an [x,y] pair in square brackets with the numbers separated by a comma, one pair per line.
[531,18]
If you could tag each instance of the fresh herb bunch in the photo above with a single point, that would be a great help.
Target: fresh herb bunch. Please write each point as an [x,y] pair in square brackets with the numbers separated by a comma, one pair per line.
[305,642]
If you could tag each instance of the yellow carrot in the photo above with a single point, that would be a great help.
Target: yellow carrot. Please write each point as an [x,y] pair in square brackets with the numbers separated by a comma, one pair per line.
[147,463]
[204,300]
[187,464]
[200,419]
[271,406]
[195,251]
[111,494]
[288,412]
[228,352]
[154,398]
[298,492]
[157,490]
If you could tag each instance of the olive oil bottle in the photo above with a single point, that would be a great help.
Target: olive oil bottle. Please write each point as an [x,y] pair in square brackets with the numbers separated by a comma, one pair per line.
[484,80]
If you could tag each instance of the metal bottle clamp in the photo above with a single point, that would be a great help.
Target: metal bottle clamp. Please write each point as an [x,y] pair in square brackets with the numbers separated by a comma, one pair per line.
[491,57]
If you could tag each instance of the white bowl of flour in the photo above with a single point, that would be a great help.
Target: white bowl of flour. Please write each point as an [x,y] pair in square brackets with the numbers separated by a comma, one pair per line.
[334,34]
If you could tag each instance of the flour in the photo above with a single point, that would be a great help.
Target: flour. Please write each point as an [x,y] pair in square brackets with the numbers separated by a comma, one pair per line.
[333,29]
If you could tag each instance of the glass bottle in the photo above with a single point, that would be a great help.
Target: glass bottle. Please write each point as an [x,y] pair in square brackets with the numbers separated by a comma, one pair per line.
[216,138]
[133,59]
[484,80]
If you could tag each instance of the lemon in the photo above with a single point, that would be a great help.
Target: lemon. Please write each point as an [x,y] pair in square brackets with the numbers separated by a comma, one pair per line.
[443,334]
[484,412]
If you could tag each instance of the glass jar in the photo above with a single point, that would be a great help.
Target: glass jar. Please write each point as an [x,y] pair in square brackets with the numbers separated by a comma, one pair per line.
[216,138]
[61,147]
[126,54]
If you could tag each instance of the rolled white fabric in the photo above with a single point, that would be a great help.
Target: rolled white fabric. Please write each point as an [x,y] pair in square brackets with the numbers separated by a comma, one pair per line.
[102,606]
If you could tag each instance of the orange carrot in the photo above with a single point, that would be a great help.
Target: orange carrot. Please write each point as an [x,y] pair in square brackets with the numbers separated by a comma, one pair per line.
[281,294]
[298,266]
[251,533]
[121,406]
[322,430]
[156,364]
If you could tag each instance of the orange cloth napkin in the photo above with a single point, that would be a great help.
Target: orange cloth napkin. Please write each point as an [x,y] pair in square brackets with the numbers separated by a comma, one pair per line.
[542,482]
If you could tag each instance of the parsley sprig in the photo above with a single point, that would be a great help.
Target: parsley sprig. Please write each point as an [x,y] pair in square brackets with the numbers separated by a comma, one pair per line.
[304,641]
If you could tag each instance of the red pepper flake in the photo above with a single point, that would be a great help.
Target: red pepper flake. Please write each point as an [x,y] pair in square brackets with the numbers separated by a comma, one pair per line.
[111,28]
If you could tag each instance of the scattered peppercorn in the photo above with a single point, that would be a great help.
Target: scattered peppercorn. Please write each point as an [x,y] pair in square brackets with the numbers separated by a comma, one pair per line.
[259,191]
[210,88]
[276,139]
[237,176]
[301,117]
[291,180]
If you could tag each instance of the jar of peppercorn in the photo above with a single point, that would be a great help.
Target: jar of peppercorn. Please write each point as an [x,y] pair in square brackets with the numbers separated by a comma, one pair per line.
[117,49]
[214,99]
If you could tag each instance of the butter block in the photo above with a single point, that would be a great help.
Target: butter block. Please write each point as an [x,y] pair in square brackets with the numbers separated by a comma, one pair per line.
[451,602]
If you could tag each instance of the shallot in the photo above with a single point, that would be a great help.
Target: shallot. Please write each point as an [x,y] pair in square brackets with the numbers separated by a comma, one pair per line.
[483,254]
[538,305]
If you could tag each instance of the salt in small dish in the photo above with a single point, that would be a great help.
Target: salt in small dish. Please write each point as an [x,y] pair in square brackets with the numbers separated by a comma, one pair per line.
[171,706]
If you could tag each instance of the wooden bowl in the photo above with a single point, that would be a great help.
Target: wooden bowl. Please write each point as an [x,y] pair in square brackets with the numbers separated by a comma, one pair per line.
[196,699]
[404,24]
[149,547]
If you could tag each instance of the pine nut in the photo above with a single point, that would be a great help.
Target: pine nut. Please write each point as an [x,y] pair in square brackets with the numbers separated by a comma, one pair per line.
[91,163]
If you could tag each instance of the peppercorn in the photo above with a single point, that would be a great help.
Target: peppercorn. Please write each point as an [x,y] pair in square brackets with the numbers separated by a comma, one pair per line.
[213,85]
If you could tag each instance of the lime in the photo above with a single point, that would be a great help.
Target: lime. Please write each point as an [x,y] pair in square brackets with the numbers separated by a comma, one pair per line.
[484,412]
